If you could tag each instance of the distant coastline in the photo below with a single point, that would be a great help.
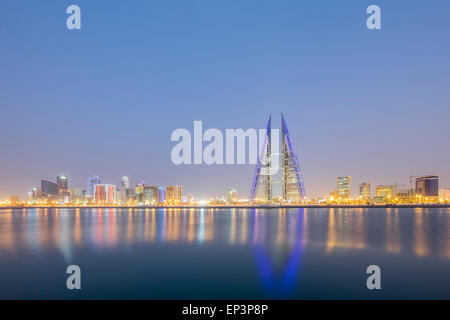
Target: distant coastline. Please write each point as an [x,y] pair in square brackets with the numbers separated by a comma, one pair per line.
[299,206]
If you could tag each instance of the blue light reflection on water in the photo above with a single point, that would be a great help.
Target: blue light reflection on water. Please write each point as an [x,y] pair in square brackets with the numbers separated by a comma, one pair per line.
[294,251]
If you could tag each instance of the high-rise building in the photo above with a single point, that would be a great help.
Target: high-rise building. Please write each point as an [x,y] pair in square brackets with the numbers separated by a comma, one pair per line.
[343,186]
[150,194]
[174,194]
[91,183]
[161,194]
[130,194]
[140,193]
[292,182]
[427,186]
[105,194]
[364,191]
[232,196]
[63,191]
[125,184]
[62,183]
[49,188]
[36,193]
[262,179]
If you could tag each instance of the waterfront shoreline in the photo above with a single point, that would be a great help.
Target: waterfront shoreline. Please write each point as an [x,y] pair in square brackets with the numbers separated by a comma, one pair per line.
[312,206]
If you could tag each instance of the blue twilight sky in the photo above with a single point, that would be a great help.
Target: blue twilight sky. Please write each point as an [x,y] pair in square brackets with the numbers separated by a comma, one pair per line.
[105,99]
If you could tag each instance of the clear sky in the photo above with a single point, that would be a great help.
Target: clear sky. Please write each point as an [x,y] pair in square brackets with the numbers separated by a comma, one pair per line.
[105,99]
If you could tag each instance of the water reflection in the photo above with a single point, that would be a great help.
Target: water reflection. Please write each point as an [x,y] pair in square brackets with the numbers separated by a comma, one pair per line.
[419,232]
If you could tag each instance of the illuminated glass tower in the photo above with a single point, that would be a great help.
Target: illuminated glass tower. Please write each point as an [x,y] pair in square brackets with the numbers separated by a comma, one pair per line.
[343,186]
[62,183]
[427,186]
[364,190]
[262,180]
[92,182]
[292,182]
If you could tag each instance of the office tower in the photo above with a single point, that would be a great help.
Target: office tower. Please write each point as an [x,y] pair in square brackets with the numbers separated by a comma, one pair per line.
[232,196]
[48,188]
[62,182]
[105,194]
[150,194]
[63,191]
[262,179]
[292,182]
[161,194]
[427,186]
[125,184]
[92,182]
[364,190]
[343,186]
[174,194]
[386,191]
[140,193]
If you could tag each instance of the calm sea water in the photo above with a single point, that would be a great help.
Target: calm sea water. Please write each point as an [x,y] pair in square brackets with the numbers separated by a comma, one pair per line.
[225,253]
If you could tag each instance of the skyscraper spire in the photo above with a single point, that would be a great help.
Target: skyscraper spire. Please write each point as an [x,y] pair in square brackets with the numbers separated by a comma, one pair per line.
[292,183]
[262,180]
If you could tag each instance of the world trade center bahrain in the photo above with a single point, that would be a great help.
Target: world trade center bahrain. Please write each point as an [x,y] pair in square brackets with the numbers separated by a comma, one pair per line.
[293,190]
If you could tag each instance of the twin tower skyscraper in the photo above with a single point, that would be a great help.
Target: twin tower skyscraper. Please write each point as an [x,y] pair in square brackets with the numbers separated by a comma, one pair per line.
[292,187]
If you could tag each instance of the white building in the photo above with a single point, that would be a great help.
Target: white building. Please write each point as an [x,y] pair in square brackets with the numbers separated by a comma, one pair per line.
[444,194]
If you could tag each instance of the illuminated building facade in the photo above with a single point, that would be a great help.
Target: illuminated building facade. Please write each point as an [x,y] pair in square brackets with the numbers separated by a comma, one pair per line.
[62,183]
[343,186]
[174,194]
[150,194]
[292,182]
[140,193]
[444,194]
[161,194]
[48,188]
[427,186]
[262,179]
[63,190]
[386,192]
[105,194]
[364,191]
[92,182]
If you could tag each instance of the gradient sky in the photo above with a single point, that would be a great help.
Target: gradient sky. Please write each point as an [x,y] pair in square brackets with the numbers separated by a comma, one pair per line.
[104,100]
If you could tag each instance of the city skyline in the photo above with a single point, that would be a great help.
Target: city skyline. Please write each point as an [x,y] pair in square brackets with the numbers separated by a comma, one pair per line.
[104,100]
[421,190]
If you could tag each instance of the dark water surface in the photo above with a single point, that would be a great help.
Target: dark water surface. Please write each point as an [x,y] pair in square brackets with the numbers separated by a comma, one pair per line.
[225,253]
